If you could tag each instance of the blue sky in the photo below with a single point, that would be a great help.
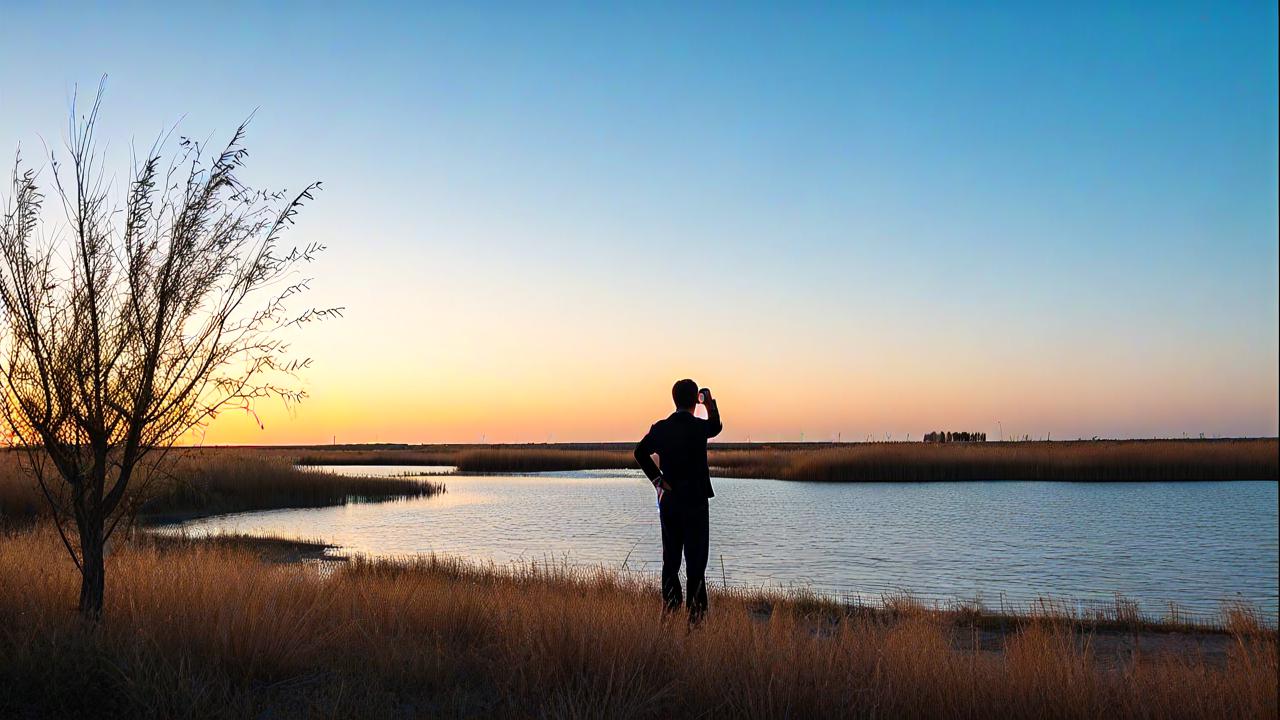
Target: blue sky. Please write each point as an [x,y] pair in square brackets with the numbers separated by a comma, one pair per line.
[1062,218]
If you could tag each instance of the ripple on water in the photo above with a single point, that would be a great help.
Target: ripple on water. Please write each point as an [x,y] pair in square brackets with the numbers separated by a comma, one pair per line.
[1192,543]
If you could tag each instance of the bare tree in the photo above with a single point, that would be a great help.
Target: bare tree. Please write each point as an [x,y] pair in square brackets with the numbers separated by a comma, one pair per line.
[125,330]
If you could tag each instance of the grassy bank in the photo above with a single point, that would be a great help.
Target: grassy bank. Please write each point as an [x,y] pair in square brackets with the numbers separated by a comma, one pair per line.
[212,631]
[482,458]
[1099,460]
[1134,460]
[200,482]
[219,480]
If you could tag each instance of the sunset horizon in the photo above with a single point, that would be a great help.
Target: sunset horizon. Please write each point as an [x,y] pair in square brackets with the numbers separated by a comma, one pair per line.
[646,361]
[940,227]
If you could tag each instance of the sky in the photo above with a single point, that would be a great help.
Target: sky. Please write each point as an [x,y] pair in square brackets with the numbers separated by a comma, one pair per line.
[855,221]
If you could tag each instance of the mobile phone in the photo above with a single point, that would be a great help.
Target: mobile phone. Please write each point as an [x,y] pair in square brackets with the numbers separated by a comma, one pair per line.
[702,396]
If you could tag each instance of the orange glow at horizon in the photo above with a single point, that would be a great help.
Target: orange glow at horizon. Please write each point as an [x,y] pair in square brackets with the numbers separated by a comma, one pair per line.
[546,401]
[501,362]
[535,230]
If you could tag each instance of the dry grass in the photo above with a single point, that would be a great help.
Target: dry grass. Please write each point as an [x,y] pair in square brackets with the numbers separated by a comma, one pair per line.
[1135,460]
[201,482]
[20,498]
[1105,460]
[207,481]
[541,460]
[210,482]
[210,631]
[483,458]
[436,455]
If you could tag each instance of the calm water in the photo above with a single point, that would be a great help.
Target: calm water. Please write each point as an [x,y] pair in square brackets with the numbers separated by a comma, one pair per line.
[1194,543]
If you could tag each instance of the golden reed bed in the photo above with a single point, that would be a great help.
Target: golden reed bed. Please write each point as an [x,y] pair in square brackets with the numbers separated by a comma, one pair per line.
[203,481]
[198,482]
[1088,460]
[211,631]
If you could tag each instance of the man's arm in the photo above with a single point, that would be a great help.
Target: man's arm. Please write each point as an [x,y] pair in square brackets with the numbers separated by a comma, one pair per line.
[645,450]
[713,416]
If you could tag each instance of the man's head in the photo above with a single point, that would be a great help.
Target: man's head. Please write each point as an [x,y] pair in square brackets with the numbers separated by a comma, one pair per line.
[685,394]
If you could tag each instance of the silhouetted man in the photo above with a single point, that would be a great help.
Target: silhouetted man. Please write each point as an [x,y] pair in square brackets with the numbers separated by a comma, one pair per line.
[684,486]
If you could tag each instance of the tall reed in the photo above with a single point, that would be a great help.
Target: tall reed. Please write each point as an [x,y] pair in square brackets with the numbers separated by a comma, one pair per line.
[1131,460]
[200,631]
[1104,460]
[198,482]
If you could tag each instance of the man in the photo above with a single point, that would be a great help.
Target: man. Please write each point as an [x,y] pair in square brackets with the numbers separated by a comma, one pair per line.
[684,486]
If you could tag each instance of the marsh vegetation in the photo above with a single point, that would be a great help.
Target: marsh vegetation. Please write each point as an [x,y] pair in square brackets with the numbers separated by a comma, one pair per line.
[200,482]
[1086,460]
[229,627]
[219,480]
[212,630]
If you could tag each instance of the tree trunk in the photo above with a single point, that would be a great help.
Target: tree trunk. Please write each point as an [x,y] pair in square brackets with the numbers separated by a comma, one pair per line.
[92,570]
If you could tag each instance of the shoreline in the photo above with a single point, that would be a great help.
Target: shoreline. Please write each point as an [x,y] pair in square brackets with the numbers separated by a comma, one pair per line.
[1073,460]
[223,481]
[214,629]
[1118,621]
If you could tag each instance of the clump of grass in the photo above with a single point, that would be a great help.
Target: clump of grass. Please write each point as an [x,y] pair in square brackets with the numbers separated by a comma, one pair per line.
[268,548]
[1127,611]
[211,482]
[211,631]
[200,482]
[1242,618]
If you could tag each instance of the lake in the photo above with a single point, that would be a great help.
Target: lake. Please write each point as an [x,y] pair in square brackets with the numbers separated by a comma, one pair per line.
[1196,544]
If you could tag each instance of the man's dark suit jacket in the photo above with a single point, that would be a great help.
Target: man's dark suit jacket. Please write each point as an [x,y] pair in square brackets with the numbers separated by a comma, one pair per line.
[680,442]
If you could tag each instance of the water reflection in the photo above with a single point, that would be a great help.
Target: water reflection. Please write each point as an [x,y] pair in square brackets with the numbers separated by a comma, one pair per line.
[1194,543]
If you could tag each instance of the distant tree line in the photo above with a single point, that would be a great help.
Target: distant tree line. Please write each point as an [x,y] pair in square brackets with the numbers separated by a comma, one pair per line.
[941,436]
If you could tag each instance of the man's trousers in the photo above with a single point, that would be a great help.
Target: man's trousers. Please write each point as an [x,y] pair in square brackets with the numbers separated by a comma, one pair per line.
[685,529]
